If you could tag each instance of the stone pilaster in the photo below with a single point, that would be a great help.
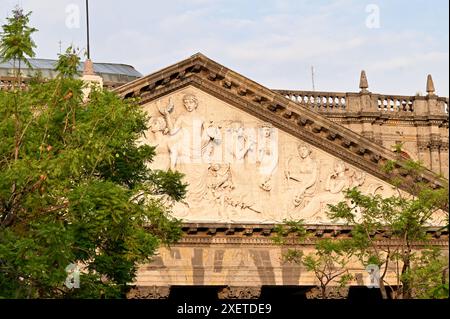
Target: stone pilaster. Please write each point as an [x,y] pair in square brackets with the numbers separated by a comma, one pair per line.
[435,145]
[423,149]
[444,158]
[420,105]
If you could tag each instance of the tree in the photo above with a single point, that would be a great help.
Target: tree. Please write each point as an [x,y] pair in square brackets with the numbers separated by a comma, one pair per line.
[328,262]
[329,265]
[75,187]
[428,276]
[404,218]
[16,43]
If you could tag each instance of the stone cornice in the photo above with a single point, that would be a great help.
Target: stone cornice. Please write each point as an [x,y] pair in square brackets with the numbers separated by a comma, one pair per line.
[270,106]
[373,116]
[263,234]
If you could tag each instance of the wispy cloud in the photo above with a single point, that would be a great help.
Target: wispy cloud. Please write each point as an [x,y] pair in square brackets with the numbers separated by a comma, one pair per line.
[272,42]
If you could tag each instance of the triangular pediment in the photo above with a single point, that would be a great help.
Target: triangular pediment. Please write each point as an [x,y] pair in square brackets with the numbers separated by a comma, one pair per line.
[243,147]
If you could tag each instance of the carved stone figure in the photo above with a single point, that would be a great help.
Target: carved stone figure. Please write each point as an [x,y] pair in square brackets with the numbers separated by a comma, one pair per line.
[161,142]
[186,142]
[187,138]
[211,142]
[267,156]
[301,173]
[340,179]
[220,185]
[240,144]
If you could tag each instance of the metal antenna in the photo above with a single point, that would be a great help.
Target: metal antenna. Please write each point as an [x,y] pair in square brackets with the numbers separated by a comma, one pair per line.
[312,78]
[87,29]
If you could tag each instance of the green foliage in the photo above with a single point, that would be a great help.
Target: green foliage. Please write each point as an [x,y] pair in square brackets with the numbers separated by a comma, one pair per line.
[75,187]
[404,219]
[389,166]
[428,275]
[15,40]
[329,263]
[398,147]
[294,228]
[293,256]
[67,64]
[413,167]
[169,183]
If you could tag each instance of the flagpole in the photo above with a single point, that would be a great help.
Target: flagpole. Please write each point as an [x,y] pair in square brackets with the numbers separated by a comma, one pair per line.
[87,25]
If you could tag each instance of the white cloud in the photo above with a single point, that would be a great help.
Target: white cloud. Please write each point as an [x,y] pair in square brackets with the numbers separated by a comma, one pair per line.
[272,42]
[407,60]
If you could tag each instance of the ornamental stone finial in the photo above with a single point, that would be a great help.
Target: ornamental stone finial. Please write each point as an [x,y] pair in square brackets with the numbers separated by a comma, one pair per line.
[90,78]
[363,84]
[430,85]
[88,67]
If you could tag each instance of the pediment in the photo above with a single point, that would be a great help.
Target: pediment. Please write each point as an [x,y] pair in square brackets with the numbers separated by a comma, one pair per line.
[242,169]
[230,105]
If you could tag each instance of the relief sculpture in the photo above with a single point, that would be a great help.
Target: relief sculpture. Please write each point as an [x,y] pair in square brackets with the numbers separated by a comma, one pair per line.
[301,174]
[161,142]
[220,186]
[230,162]
[182,131]
[340,179]
[190,140]
[267,159]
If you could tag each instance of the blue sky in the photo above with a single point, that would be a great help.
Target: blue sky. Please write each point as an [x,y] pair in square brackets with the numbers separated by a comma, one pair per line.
[273,42]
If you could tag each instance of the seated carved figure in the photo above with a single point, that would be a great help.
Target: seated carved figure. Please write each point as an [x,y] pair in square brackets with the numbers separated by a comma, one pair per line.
[340,179]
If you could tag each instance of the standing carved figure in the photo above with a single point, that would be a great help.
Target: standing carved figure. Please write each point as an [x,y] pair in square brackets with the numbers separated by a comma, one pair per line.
[186,132]
[267,156]
[302,170]
[189,137]
[241,143]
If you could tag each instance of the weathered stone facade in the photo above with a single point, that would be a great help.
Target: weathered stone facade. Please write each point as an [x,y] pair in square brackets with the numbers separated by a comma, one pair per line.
[254,156]
[420,123]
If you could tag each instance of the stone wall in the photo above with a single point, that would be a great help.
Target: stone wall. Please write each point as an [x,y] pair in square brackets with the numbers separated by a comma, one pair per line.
[245,258]
[420,123]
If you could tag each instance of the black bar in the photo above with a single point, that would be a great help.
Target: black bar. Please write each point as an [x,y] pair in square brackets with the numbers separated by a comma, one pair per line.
[87,25]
